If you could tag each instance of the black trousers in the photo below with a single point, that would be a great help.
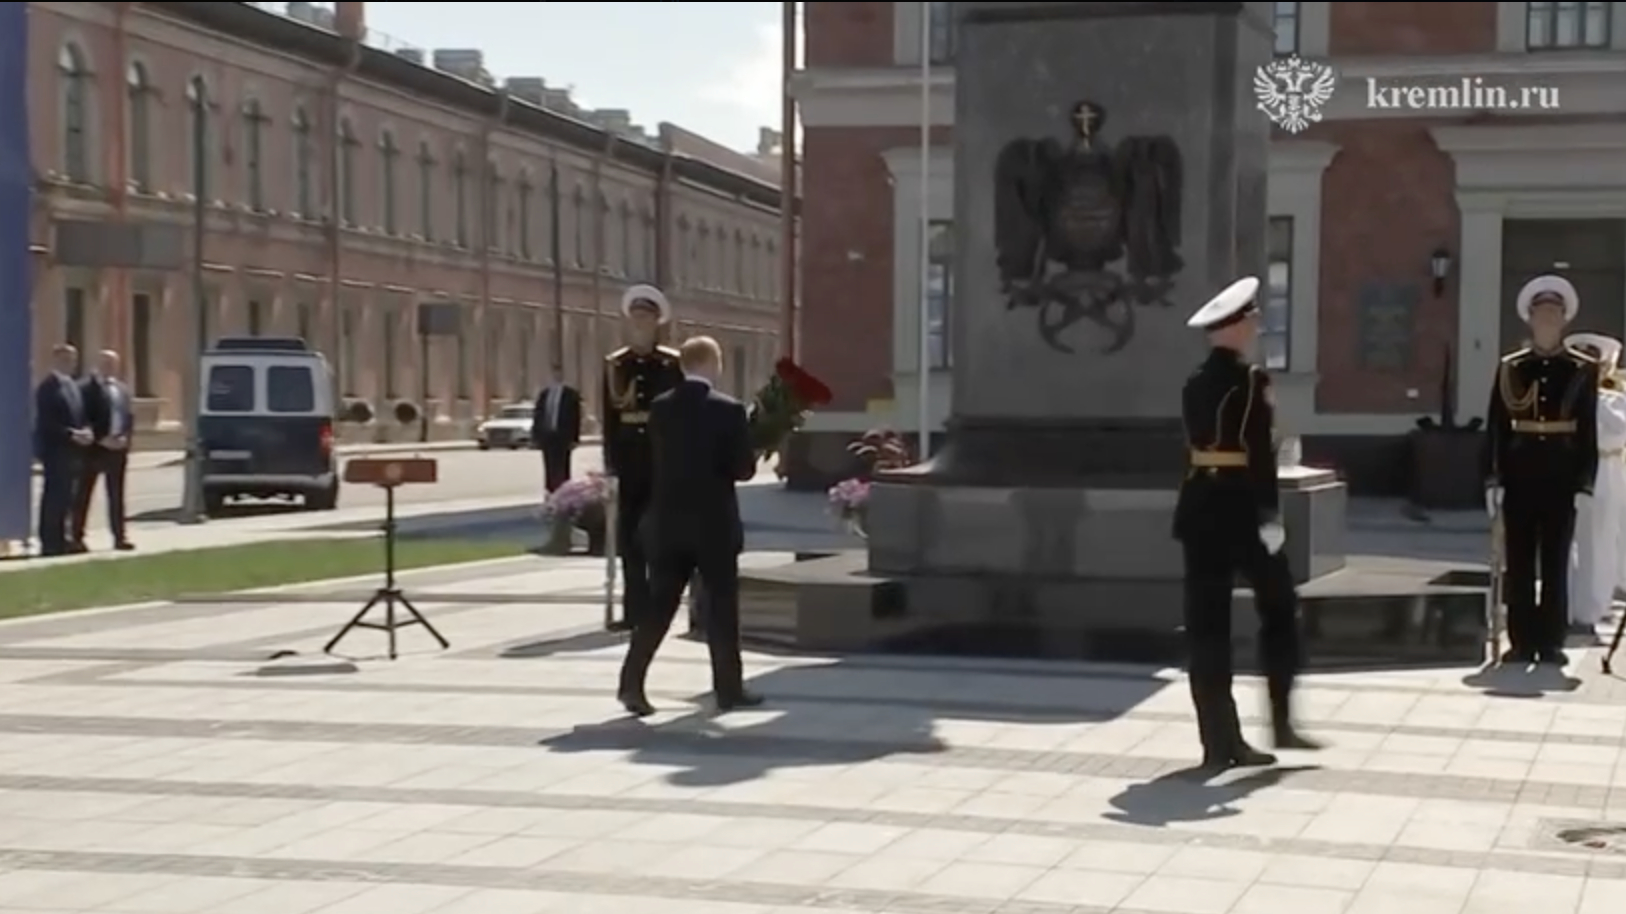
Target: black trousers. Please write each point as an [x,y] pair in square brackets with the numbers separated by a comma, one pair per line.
[556,453]
[109,466]
[1538,526]
[631,506]
[1213,564]
[59,483]
[719,573]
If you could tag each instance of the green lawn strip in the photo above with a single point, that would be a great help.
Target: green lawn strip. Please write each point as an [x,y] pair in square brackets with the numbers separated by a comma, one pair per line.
[193,572]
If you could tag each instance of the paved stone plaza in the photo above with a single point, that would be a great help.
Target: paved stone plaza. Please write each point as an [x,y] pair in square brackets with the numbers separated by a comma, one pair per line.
[152,761]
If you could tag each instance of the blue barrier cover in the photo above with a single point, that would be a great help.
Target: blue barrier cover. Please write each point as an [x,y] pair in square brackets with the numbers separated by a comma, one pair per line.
[16,284]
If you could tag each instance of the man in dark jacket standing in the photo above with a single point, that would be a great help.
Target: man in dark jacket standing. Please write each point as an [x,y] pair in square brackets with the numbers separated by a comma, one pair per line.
[111,414]
[556,429]
[702,450]
[61,435]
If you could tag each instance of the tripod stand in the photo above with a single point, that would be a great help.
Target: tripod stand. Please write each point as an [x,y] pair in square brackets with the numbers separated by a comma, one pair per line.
[388,596]
[1614,645]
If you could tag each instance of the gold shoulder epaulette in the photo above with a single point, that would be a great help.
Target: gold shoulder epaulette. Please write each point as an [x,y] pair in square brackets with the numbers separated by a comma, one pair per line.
[1580,356]
[1516,355]
[618,353]
[668,351]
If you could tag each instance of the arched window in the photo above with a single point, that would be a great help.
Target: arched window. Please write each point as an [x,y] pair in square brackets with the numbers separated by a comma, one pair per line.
[493,207]
[525,190]
[76,89]
[254,121]
[348,144]
[138,144]
[629,241]
[578,220]
[426,192]
[460,198]
[304,165]
[388,154]
[197,99]
[647,240]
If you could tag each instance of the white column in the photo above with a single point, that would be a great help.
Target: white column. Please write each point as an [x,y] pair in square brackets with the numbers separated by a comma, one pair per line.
[1297,168]
[1479,299]
[904,164]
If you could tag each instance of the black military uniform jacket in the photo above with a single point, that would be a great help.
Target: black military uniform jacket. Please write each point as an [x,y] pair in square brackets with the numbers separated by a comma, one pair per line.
[1230,487]
[1542,425]
[632,381]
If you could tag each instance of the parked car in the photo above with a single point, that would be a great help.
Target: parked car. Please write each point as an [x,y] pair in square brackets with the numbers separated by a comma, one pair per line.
[510,428]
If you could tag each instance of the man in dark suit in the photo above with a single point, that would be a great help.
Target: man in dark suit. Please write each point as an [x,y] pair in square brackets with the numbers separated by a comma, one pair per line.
[111,414]
[556,429]
[702,448]
[61,435]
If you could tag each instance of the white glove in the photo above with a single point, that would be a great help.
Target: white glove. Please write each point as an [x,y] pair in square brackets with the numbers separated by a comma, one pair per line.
[1582,499]
[1273,536]
[1493,500]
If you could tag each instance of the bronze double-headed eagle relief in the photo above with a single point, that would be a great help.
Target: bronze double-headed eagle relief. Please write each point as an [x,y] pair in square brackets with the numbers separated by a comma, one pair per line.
[1087,232]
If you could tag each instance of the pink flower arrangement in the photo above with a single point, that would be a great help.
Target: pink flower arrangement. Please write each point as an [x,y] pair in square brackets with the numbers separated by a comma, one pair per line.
[576,498]
[848,499]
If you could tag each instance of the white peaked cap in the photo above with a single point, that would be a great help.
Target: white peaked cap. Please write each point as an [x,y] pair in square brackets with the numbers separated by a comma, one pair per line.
[1543,286]
[1608,347]
[648,294]
[1226,305]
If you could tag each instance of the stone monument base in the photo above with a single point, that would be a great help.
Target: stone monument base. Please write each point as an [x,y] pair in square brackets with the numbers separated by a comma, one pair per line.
[1093,574]
[1115,540]
[1373,612]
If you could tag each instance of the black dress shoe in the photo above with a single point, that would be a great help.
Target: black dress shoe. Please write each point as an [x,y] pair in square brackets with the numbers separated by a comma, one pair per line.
[1518,656]
[124,546]
[1553,657]
[1241,755]
[636,704]
[739,700]
[619,625]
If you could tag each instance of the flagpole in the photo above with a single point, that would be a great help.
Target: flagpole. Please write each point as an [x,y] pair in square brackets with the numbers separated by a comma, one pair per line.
[924,375]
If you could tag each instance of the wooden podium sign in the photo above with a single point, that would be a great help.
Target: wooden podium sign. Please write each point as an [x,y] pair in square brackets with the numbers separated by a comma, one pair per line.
[392,471]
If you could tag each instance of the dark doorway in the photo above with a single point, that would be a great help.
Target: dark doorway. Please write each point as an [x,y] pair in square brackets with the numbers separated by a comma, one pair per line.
[1591,253]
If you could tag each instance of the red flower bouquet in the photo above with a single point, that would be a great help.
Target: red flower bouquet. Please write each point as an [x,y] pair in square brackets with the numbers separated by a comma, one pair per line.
[782,405]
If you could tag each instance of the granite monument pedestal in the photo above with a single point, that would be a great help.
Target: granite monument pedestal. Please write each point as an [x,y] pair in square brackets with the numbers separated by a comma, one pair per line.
[1121,136]
[1110,168]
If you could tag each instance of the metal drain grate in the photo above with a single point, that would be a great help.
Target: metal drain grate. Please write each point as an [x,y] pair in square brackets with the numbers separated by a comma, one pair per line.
[1603,837]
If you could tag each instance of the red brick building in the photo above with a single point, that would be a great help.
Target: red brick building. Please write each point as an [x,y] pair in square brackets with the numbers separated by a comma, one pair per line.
[346,184]
[1362,206]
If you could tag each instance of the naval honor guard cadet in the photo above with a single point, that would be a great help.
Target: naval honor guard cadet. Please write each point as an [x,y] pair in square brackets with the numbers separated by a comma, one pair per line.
[634,376]
[1540,463]
[1228,521]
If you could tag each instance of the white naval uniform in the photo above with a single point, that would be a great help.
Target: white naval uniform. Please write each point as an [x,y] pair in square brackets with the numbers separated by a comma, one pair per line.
[1600,524]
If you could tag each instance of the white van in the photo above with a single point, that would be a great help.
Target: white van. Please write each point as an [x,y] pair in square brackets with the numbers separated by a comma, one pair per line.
[267,423]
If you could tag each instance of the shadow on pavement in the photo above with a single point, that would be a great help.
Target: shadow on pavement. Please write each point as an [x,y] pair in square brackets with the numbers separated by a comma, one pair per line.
[1534,681]
[570,644]
[231,511]
[1189,795]
[836,714]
